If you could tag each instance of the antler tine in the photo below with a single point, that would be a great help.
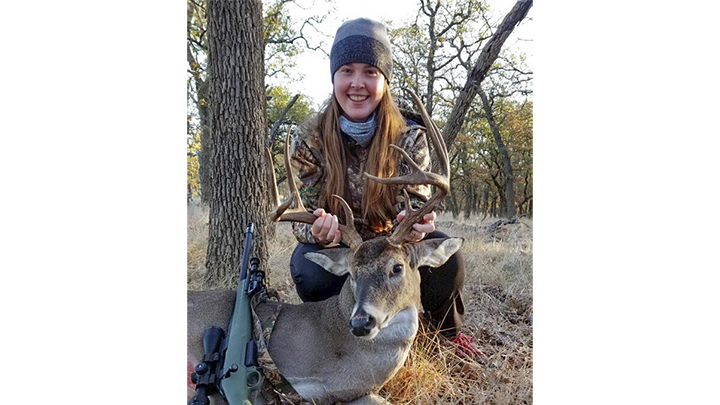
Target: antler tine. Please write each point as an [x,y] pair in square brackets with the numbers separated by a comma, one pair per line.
[349,234]
[281,213]
[418,176]
[435,135]
[408,205]
[301,214]
[441,181]
[275,196]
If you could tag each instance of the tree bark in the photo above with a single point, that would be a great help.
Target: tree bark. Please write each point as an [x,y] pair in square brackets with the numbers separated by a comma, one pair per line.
[488,55]
[493,205]
[483,200]
[504,155]
[453,204]
[239,166]
[205,155]
[468,199]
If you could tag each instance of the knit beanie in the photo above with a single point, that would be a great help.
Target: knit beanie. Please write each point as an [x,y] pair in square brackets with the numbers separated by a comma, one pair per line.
[361,41]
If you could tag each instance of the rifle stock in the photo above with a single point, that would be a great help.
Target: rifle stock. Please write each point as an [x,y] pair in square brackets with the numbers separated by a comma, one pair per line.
[241,376]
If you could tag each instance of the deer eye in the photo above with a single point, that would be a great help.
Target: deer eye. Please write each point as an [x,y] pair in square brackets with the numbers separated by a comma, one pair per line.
[397,270]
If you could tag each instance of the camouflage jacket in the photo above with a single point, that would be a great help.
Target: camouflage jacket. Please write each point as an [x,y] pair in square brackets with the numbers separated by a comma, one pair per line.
[307,161]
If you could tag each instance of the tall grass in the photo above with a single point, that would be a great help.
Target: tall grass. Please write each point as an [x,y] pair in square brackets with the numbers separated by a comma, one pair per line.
[498,314]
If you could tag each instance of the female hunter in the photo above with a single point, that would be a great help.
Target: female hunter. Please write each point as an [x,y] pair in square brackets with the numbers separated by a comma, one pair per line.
[351,135]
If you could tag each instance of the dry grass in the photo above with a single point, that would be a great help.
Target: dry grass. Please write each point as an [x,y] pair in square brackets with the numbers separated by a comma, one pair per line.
[498,314]
[197,235]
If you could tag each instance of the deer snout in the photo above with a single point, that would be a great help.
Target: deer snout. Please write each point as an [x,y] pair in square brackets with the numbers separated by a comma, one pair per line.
[362,324]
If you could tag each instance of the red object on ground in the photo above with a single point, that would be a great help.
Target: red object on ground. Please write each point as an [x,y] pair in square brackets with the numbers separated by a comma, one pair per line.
[465,345]
[190,370]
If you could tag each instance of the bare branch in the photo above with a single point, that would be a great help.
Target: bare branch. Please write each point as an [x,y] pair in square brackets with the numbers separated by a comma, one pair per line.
[277,123]
[487,57]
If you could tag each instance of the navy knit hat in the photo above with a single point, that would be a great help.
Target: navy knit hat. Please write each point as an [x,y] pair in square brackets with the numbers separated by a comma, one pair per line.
[361,41]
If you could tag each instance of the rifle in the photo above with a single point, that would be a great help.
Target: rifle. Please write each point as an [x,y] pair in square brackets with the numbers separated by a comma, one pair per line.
[229,364]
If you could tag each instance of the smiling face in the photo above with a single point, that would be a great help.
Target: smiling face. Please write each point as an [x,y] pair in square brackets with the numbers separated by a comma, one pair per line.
[358,89]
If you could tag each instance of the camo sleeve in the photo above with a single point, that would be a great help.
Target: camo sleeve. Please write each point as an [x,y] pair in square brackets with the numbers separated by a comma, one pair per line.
[414,142]
[305,158]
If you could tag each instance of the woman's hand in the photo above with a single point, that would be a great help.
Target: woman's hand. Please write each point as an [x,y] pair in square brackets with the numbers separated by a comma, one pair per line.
[326,228]
[422,228]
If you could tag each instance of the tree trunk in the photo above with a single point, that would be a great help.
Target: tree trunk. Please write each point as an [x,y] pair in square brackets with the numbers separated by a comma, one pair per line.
[205,155]
[239,166]
[509,210]
[468,199]
[493,206]
[485,60]
[475,199]
[453,205]
[486,201]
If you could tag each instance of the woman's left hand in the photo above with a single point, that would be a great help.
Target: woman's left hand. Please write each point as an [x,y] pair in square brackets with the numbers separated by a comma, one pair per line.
[422,228]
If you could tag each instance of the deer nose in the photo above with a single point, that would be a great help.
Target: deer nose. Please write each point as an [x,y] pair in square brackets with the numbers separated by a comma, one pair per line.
[361,325]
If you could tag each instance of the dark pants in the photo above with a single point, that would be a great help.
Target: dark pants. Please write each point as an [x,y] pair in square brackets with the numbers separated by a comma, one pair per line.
[440,288]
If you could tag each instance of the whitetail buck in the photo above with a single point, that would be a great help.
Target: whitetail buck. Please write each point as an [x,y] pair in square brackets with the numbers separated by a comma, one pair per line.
[344,349]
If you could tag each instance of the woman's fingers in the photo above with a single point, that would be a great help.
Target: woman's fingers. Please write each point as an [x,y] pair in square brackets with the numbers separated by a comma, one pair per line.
[326,227]
[334,225]
[317,228]
[338,237]
[426,218]
[424,228]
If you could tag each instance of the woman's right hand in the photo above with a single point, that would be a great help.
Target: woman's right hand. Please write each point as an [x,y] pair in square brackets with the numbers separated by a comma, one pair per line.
[326,228]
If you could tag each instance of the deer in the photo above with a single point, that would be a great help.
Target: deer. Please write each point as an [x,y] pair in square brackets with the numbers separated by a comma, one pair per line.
[345,348]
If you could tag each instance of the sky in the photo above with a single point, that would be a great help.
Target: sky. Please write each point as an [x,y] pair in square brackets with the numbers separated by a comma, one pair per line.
[315,66]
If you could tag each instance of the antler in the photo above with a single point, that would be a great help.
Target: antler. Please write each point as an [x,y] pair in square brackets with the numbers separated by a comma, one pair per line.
[301,214]
[441,181]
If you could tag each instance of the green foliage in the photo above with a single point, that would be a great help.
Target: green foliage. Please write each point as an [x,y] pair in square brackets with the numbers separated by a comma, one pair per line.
[279,97]
[280,50]
[301,111]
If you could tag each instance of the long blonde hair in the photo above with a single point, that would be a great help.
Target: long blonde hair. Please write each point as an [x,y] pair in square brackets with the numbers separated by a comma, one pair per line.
[378,199]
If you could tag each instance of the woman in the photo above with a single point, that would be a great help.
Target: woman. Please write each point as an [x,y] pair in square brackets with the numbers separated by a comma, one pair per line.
[352,135]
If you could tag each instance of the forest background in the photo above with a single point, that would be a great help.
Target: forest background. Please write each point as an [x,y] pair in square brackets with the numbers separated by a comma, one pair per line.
[624,225]
[453,55]
[435,45]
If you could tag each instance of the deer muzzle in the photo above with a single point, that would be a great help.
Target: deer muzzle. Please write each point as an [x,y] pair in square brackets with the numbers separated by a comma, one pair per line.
[361,324]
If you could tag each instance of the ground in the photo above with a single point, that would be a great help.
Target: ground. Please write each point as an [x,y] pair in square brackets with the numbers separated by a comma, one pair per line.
[498,298]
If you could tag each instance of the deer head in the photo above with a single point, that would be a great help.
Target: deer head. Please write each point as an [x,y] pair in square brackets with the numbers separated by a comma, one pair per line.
[384,275]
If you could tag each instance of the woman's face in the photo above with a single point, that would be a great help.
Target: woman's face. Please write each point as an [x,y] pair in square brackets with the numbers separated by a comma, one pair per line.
[358,89]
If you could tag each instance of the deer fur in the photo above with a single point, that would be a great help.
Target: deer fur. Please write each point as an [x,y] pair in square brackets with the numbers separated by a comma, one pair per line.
[312,343]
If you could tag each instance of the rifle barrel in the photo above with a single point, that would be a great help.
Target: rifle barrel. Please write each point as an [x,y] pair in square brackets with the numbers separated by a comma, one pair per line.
[246,256]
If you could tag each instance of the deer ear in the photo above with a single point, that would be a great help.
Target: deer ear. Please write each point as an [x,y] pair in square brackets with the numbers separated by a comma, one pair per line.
[433,252]
[336,261]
